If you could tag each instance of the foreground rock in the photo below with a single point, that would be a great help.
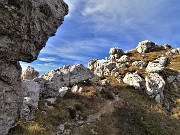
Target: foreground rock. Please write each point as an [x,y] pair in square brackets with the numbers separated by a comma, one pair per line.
[30,91]
[10,94]
[29,73]
[25,26]
[155,86]
[134,80]
[146,46]
[52,82]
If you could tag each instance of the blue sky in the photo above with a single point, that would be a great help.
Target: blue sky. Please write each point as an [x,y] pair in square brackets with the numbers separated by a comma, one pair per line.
[92,27]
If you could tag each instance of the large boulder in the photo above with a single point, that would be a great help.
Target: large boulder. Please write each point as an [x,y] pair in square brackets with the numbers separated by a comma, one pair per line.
[154,67]
[133,79]
[146,46]
[30,90]
[155,86]
[115,53]
[51,82]
[25,26]
[29,73]
[10,94]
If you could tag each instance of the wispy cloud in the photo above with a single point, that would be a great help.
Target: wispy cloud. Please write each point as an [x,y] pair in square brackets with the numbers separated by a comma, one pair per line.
[48,59]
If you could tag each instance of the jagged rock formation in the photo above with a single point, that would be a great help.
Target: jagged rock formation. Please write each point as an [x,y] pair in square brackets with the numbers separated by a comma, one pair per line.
[52,82]
[10,94]
[25,28]
[30,90]
[134,80]
[154,67]
[146,46]
[29,73]
[155,86]
[115,53]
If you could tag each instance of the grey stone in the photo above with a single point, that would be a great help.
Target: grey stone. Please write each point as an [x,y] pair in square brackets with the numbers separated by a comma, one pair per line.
[155,85]
[29,73]
[146,46]
[30,99]
[26,25]
[10,94]
[134,80]
[51,82]
[154,67]
[139,63]
[115,53]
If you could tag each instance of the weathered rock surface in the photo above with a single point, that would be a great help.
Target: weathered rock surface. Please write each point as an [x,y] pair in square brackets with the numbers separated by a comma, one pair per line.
[29,73]
[26,25]
[134,80]
[30,91]
[146,46]
[65,76]
[10,94]
[155,86]
[154,67]
[139,63]
[124,58]
[115,53]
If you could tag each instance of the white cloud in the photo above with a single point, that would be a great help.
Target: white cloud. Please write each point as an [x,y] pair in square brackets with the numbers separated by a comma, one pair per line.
[48,59]
[79,50]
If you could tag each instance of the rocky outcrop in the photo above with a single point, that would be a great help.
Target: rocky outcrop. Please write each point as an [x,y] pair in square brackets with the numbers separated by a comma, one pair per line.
[155,86]
[115,53]
[52,82]
[30,90]
[134,80]
[141,64]
[154,67]
[10,94]
[146,46]
[29,73]
[124,58]
[25,26]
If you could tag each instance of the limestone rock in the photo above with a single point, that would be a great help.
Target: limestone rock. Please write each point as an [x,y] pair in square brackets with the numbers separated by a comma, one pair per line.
[146,46]
[10,94]
[134,80]
[63,91]
[103,67]
[91,64]
[175,51]
[163,60]
[65,76]
[76,89]
[115,53]
[120,65]
[154,67]
[166,46]
[29,73]
[139,63]
[124,58]
[169,54]
[31,97]
[155,86]
[26,25]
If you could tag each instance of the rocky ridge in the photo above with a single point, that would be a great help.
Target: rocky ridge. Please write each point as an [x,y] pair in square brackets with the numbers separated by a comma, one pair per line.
[151,75]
